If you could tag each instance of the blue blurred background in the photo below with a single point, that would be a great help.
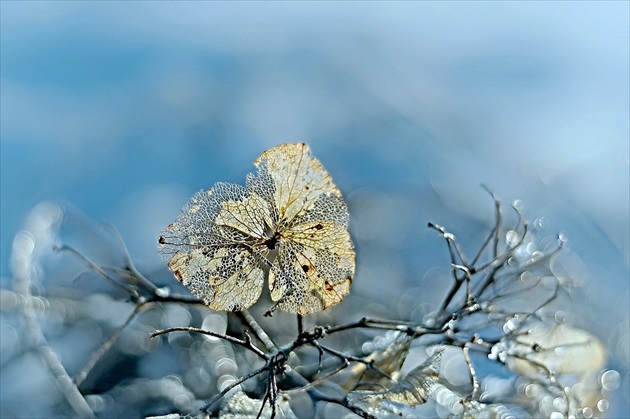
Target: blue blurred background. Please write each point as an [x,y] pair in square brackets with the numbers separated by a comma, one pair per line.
[124,110]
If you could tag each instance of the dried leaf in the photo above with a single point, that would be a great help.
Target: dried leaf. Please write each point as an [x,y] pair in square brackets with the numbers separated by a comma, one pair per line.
[388,353]
[414,389]
[290,220]
[417,385]
[241,406]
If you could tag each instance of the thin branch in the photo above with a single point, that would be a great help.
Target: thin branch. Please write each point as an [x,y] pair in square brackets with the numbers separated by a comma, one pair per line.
[266,397]
[550,299]
[135,274]
[300,324]
[271,393]
[238,382]
[273,386]
[525,267]
[466,272]
[505,255]
[494,233]
[453,245]
[318,381]
[258,331]
[473,375]
[247,343]
[177,299]
[454,250]
[98,354]
[345,358]
[127,288]
[401,326]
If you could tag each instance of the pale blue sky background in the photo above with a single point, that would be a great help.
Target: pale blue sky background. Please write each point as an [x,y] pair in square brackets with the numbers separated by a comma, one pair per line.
[126,109]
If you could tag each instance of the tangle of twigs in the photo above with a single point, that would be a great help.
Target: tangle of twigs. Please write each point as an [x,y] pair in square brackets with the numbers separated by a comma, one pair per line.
[474,321]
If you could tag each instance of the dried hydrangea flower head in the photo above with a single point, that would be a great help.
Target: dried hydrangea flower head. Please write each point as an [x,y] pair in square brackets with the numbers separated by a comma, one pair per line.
[289,221]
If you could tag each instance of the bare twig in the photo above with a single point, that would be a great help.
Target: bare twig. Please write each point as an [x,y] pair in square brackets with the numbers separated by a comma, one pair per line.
[300,324]
[258,331]
[136,276]
[228,388]
[98,354]
[246,343]
[494,232]
[127,288]
[473,375]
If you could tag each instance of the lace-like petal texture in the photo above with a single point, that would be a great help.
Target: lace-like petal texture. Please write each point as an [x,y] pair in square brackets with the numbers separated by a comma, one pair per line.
[289,221]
